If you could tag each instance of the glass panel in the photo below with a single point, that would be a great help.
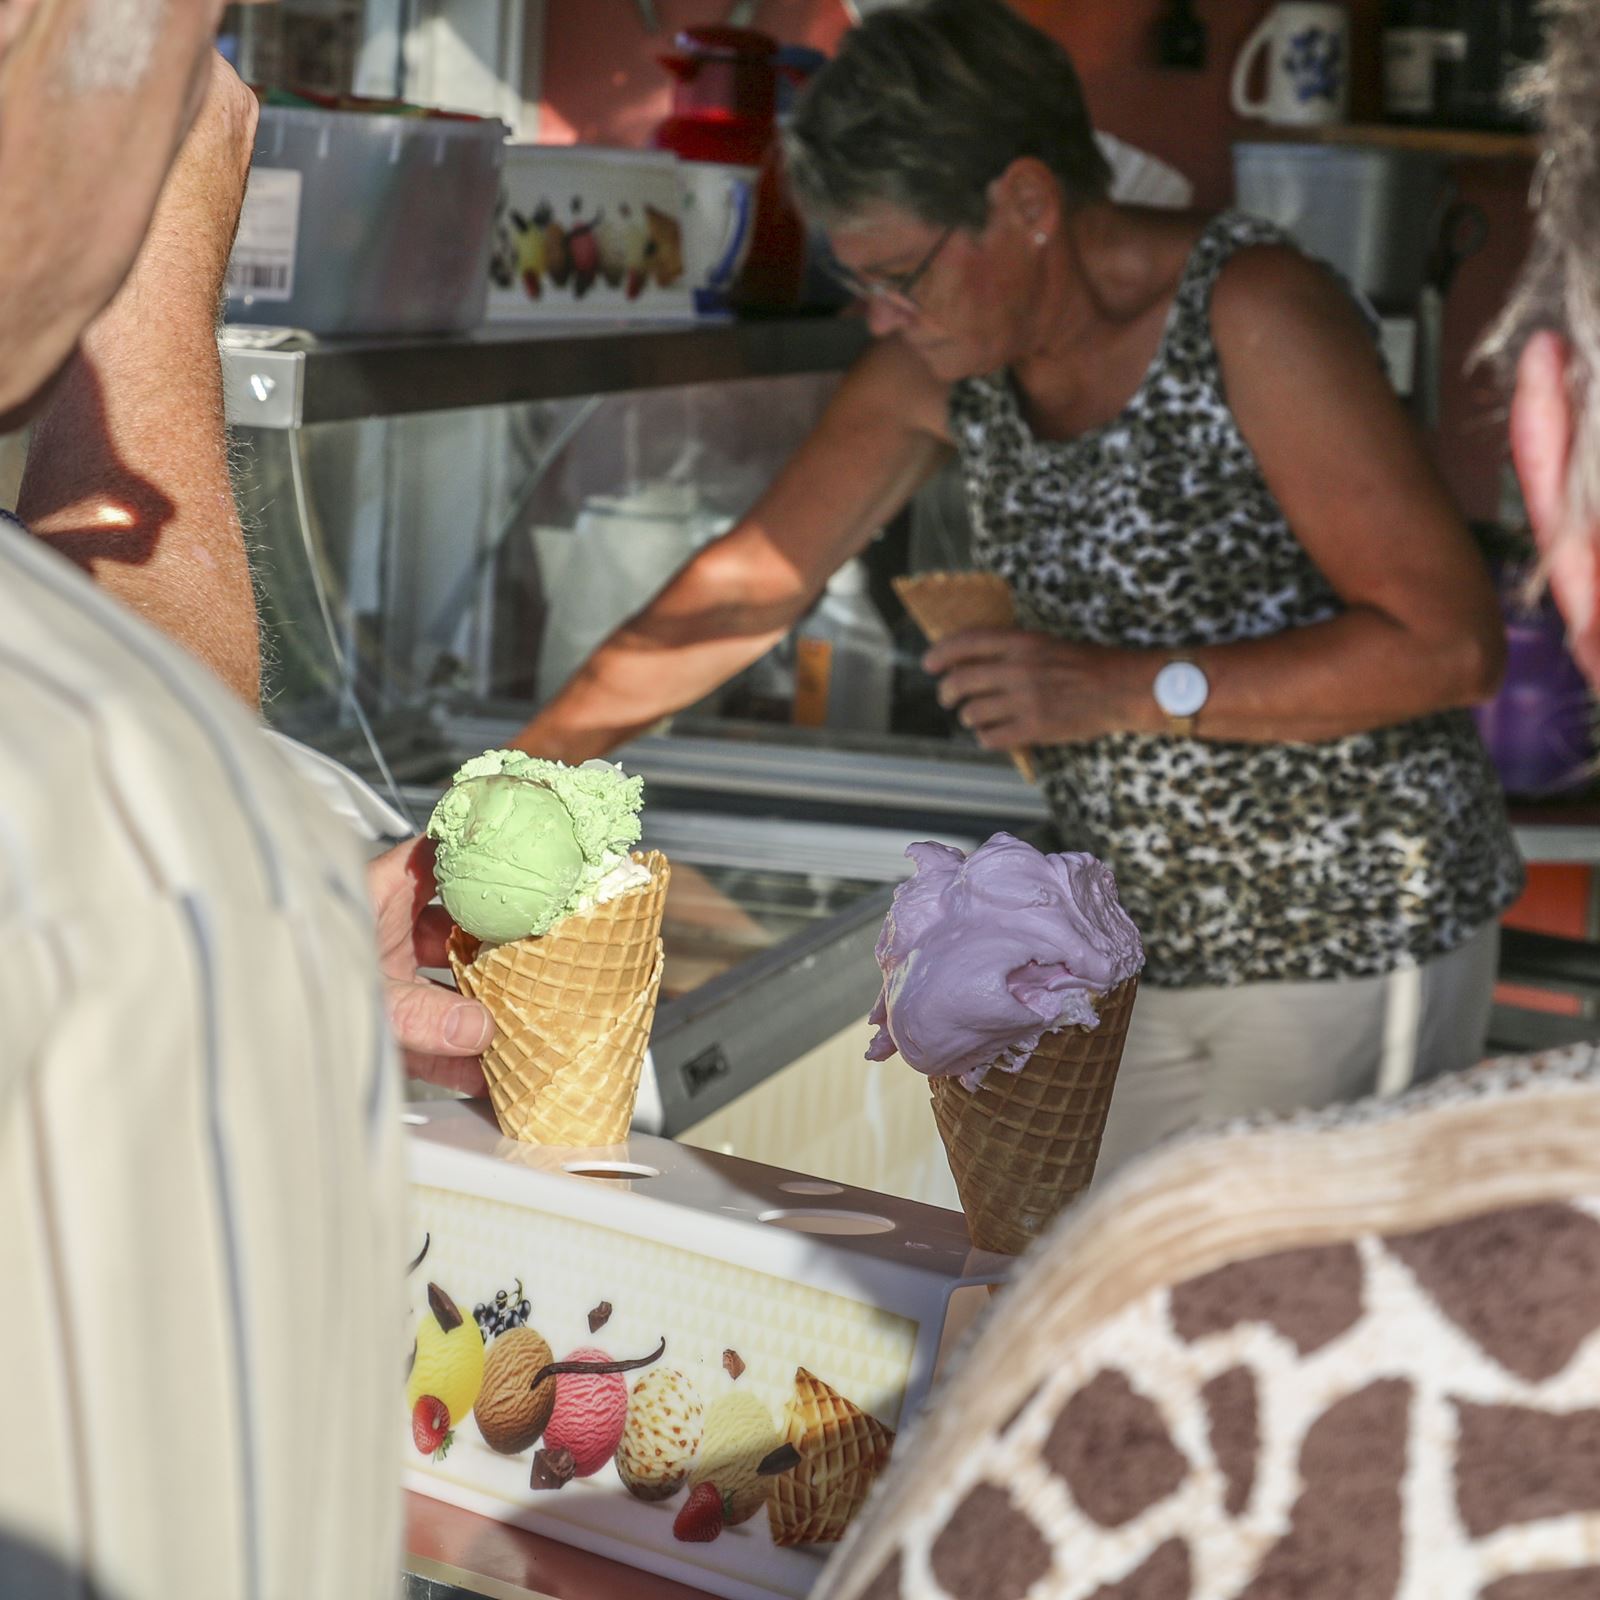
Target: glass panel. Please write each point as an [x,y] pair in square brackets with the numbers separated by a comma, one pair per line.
[717,917]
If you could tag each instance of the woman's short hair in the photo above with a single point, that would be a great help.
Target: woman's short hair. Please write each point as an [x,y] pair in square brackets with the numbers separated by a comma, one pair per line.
[926,104]
[1559,288]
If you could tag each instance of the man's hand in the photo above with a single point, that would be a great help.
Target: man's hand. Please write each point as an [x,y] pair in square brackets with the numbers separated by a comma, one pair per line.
[441,1033]
[1017,688]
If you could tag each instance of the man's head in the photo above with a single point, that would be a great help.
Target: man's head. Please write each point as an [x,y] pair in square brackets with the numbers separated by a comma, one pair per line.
[95,98]
[1549,334]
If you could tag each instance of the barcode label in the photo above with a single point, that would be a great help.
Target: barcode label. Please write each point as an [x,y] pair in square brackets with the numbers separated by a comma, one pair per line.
[262,264]
[247,277]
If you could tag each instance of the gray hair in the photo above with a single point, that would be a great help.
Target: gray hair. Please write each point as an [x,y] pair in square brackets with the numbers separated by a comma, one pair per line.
[1559,288]
[926,104]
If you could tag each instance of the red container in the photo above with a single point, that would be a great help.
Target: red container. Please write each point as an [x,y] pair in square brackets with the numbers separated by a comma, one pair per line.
[724,109]
[724,96]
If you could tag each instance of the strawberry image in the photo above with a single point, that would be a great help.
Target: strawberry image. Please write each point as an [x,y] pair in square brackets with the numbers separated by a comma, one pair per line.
[583,249]
[430,1427]
[700,1518]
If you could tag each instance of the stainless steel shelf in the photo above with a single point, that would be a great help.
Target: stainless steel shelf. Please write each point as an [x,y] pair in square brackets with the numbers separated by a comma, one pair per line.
[309,381]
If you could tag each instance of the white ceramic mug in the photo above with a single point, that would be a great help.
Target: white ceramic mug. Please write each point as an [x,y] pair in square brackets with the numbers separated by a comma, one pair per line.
[1307,67]
[719,202]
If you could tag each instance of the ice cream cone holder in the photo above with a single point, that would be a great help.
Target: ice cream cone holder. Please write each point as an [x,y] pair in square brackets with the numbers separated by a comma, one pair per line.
[691,1364]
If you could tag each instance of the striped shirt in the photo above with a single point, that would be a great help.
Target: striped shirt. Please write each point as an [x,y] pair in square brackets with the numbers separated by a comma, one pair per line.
[201,1251]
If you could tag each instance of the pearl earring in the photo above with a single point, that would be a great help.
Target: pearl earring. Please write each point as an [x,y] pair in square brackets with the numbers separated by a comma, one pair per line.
[1039,238]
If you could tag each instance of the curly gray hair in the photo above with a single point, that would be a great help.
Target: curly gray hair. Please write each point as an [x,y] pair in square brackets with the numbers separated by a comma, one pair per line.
[925,104]
[1559,288]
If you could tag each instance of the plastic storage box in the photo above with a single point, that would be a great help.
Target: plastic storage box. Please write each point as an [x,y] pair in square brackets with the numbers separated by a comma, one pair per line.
[356,222]
[781,1331]
[584,231]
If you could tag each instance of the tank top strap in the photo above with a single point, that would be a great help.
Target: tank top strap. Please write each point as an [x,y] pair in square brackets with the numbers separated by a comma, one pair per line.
[1220,240]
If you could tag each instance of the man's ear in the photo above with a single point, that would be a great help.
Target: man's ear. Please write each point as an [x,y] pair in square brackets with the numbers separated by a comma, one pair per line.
[1541,433]
[1542,430]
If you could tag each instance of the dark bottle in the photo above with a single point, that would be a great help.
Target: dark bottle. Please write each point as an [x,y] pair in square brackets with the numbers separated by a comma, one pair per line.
[1496,39]
[1411,39]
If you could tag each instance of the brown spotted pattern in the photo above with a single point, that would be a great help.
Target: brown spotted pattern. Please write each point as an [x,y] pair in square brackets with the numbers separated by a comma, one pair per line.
[1515,1464]
[1524,1285]
[1112,1448]
[990,1547]
[1235,1429]
[1344,1539]
[1420,1423]
[1576,1583]
[1309,1296]
[1165,1576]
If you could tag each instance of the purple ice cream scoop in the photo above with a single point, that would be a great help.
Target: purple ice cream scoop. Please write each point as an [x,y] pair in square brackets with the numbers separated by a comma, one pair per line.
[984,954]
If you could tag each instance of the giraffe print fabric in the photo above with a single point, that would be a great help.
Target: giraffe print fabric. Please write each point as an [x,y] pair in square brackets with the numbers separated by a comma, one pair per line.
[1354,1355]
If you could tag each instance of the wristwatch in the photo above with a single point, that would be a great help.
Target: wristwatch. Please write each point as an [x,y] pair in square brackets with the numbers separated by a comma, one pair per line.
[1181,689]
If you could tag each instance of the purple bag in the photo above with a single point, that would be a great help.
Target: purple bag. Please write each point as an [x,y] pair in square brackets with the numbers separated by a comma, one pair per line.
[1540,727]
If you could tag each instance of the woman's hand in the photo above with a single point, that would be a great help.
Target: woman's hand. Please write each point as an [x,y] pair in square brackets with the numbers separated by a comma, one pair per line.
[440,1033]
[1017,688]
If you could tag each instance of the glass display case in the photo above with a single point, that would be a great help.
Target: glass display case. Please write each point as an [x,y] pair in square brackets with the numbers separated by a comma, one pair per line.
[445,528]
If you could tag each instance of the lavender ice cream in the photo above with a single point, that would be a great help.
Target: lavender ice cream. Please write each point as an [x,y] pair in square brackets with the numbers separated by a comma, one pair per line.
[982,955]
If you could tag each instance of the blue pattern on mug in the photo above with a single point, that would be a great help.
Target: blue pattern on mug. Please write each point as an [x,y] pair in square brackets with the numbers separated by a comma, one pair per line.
[1315,64]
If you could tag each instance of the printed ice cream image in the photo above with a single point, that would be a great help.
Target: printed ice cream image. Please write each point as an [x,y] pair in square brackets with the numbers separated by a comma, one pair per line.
[739,1436]
[841,1451]
[558,925]
[662,1434]
[1008,978]
[446,1373]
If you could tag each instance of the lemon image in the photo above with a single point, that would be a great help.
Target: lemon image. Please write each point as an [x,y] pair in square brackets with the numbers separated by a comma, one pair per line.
[449,1360]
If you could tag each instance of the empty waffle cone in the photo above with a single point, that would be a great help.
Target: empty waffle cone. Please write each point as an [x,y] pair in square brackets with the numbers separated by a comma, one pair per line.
[1022,1144]
[946,603]
[842,1450]
[572,1011]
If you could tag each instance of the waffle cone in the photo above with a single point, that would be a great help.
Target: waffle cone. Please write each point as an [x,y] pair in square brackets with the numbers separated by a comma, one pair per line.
[572,1012]
[947,603]
[1022,1144]
[842,1450]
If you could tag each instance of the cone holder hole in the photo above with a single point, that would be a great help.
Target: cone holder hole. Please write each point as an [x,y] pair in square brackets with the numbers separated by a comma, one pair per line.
[610,1169]
[811,1186]
[815,1220]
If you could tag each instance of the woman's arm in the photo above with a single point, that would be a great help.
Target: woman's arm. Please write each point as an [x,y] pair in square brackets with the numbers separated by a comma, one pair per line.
[1421,631]
[881,436]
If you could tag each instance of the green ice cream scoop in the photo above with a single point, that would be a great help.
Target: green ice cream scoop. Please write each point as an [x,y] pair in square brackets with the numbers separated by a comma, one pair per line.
[521,842]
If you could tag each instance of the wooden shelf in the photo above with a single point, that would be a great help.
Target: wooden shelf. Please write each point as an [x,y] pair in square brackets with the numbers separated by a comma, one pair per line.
[1467,144]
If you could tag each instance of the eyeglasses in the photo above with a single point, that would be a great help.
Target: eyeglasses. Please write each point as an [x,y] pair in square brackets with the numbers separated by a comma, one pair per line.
[897,289]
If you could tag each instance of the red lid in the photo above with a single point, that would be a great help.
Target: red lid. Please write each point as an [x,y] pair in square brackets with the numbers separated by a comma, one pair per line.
[714,40]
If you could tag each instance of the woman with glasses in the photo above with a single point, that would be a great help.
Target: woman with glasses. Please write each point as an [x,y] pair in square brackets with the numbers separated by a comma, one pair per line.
[1253,620]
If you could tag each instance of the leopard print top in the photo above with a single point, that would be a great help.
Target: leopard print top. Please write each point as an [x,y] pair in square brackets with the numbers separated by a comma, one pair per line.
[1239,862]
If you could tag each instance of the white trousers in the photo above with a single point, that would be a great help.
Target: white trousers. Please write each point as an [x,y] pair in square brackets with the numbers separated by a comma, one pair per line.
[1199,1054]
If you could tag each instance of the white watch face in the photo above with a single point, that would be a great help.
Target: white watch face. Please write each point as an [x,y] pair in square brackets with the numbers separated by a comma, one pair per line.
[1181,689]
